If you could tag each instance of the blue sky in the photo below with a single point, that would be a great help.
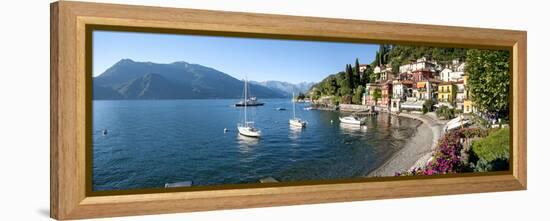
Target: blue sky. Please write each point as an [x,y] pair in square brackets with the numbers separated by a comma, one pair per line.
[260,59]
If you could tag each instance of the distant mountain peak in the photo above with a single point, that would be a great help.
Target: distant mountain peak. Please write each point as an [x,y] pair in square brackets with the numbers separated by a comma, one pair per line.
[125,61]
[128,79]
[286,87]
[179,62]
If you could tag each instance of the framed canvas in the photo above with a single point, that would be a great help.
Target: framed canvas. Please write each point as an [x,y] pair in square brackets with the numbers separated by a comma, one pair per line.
[162,110]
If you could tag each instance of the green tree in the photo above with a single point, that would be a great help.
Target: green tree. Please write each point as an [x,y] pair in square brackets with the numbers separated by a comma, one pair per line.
[346,99]
[356,74]
[445,112]
[377,94]
[427,106]
[358,95]
[489,80]
[348,77]
[315,93]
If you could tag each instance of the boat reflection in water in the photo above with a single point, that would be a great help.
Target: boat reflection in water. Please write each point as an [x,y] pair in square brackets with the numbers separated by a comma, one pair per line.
[353,128]
[246,144]
[295,131]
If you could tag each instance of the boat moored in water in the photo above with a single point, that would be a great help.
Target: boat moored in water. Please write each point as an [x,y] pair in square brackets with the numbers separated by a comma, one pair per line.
[294,121]
[249,130]
[246,128]
[351,120]
[251,102]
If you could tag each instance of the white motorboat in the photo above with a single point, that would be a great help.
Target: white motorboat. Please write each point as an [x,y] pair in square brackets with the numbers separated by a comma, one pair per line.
[246,128]
[351,120]
[294,121]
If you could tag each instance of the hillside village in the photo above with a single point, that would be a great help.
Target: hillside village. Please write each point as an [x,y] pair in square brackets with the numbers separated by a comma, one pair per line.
[462,96]
[408,88]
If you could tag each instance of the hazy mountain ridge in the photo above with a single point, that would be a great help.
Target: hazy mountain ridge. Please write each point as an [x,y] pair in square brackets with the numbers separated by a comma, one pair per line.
[128,79]
[286,87]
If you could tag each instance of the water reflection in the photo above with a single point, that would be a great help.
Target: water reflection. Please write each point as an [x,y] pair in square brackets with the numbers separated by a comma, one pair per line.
[246,143]
[294,132]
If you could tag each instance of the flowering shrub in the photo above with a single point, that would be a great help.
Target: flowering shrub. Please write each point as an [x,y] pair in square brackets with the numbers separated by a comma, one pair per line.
[447,156]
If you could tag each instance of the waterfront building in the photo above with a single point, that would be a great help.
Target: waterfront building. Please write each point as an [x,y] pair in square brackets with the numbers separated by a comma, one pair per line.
[395,105]
[423,90]
[386,90]
[402,89]
[420,64]
[446,92]
[370,90]
[453,72]
[363,67]
[411,104]
[384,73]
[460,94]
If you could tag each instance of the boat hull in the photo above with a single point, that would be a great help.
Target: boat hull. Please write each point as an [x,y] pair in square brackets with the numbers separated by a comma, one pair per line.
[249,105]
[247,131]
[352,122]
[297,123]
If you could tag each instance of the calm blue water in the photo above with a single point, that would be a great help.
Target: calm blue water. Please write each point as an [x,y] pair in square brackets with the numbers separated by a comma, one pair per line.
[153,142]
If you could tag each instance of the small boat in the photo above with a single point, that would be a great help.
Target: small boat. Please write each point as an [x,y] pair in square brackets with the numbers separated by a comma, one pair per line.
[308,108]
[246,128]
[296,122]
[281,108]
[104,131]
[178,184]
[268,180]
[351,120]
[251,102]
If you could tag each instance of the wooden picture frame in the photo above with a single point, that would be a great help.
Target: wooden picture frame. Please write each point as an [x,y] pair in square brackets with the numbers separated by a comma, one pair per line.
[69,110]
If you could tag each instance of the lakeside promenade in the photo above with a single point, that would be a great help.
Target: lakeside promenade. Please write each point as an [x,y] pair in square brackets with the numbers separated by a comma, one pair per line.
[418,150]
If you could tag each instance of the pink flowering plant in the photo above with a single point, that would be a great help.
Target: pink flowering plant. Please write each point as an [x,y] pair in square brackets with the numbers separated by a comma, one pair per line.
[447,157]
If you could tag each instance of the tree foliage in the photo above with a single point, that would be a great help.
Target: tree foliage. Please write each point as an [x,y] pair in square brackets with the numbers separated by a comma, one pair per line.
[358,95]
[402,54]
[489,80]
[343,86]
[445,112]
[377,94]
[427,106]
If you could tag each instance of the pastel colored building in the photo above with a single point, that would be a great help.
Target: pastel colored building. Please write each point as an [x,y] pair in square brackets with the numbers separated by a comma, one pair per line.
[446,92]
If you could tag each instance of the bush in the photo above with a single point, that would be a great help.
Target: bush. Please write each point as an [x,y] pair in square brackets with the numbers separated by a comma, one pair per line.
[447,157]
[491,153]
[445,113]
[427,106]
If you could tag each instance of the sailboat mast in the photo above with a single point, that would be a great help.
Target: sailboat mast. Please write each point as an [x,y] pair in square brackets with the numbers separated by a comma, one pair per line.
[293,106]
[245,99]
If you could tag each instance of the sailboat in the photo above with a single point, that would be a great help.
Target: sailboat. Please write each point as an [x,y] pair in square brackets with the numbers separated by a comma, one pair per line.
[246,128]
[296,122]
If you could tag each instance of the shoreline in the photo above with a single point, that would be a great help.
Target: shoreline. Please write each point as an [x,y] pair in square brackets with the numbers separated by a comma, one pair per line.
[417,152]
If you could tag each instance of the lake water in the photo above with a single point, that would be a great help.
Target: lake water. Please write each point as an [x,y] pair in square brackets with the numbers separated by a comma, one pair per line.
[153,142]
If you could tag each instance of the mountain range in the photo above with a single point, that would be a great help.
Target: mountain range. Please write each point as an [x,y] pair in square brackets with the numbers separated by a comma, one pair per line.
[128,79]
[286,87]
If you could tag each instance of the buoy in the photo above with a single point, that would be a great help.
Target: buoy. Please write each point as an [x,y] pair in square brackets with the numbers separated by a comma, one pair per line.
[225,130]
